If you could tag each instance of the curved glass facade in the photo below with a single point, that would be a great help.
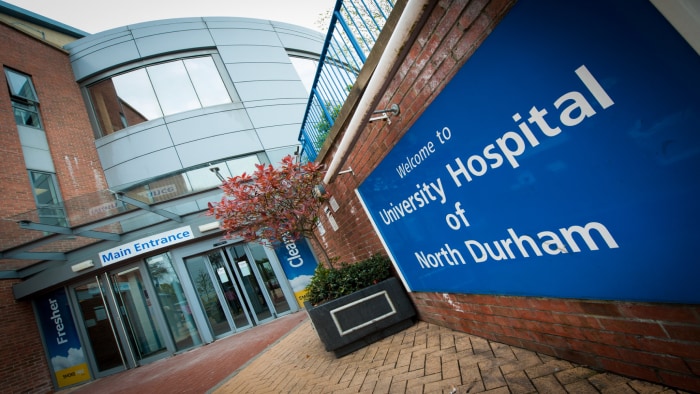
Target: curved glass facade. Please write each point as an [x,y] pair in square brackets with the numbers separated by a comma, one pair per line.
[157,90]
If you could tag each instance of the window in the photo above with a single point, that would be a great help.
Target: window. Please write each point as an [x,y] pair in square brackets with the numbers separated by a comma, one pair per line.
[24,99]
[48,202]
[155,91]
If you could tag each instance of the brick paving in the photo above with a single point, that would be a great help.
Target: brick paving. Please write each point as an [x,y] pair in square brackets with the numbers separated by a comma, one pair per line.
[422,359]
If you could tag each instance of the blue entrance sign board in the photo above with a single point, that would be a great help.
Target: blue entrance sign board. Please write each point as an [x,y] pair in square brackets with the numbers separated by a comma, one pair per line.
[562,160]
[298,263]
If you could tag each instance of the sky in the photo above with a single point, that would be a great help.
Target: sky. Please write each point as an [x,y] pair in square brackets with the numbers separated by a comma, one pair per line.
[93,16]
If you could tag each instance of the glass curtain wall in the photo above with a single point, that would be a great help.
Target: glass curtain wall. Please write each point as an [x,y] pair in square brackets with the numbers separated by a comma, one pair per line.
[155,91]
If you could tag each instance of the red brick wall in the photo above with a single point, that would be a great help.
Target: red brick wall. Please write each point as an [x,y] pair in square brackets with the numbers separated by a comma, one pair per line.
[25,367]
[78,170]
[64,118]
[659,343]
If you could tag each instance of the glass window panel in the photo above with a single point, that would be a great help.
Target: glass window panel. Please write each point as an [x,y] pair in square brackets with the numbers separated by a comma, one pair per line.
[173,88]
[49,206]
[21,85]
[207,81]
[242,164]
[135,94]
[44,189]
[306,68]
[26,115]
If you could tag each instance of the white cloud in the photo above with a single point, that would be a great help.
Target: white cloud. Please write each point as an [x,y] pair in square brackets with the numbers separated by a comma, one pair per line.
[75,357]
[300,282]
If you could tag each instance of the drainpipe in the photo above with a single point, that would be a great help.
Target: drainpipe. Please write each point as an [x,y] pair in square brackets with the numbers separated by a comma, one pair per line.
[390,57]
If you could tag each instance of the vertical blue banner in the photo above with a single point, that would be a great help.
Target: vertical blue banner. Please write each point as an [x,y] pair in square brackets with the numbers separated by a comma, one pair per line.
[298,263]
[62,342]
[562,160]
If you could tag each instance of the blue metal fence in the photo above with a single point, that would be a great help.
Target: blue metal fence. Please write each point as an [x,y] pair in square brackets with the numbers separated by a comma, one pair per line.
[354,28]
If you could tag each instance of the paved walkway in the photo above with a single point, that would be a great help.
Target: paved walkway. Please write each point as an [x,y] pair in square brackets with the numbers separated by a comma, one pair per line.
[422,359]
[286,356]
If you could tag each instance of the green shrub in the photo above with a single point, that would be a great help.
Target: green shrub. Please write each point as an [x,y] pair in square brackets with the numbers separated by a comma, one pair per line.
[328,284]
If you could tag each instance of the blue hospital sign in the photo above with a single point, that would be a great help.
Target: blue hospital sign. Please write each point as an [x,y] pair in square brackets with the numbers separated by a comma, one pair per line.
[562,160]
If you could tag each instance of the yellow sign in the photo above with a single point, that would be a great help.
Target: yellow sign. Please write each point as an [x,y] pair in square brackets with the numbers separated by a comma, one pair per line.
[76,374]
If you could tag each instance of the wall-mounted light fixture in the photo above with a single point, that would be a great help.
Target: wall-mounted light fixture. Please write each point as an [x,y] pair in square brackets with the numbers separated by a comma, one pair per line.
[82,266]
[348,171]
[208,227]
[393,110]
[216,172]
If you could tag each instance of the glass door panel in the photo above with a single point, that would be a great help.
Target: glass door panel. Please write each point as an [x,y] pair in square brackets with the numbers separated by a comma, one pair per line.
[173,303]
[134,305]
[99,328]
[269,278]
[254,293]
[206,292]
[230,291]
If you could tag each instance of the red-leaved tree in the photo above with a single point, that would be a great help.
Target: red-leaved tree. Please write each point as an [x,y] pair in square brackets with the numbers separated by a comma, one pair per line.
[272,204]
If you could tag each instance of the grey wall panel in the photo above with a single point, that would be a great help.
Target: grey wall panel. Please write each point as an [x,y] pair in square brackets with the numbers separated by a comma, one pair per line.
[279,136]
[143,168]
[33,138]
[245,37]
[134,145]
[300,42]
[222,22]
[99,40]
[108,139]
[252,54]
[165,26]
[218,147]
[205,126]
[278,101]
[38,159]
[263,90]
[277,115]
[174,41]
[246,72]
[97,61]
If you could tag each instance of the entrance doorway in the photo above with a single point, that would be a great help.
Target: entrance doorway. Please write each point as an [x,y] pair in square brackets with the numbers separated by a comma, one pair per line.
[134,315]
[236,287]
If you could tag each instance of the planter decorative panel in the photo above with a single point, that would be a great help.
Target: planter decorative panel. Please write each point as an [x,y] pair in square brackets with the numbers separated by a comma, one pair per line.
[356,320]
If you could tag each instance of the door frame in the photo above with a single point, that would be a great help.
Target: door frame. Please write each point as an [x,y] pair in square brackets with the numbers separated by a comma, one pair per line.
[202,247]
[118,326]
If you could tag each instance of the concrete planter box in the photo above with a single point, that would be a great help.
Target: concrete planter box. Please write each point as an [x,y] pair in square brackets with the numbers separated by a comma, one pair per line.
[356,320]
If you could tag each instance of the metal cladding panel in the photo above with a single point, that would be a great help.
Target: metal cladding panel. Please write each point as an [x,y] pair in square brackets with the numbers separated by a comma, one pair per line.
[31,137]
[166,26]
[129,146]
[252,54]
[238,23]
[209,125]
[294,40]
[248,36]
[144,167]
[220,146]
[174,41]
[38,159]
[106,56]
[99,40]
[245,72]
[277,114]
[279,136]
[270,90]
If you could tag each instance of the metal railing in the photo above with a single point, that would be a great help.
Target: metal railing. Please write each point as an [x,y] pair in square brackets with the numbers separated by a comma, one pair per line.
[353,30]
